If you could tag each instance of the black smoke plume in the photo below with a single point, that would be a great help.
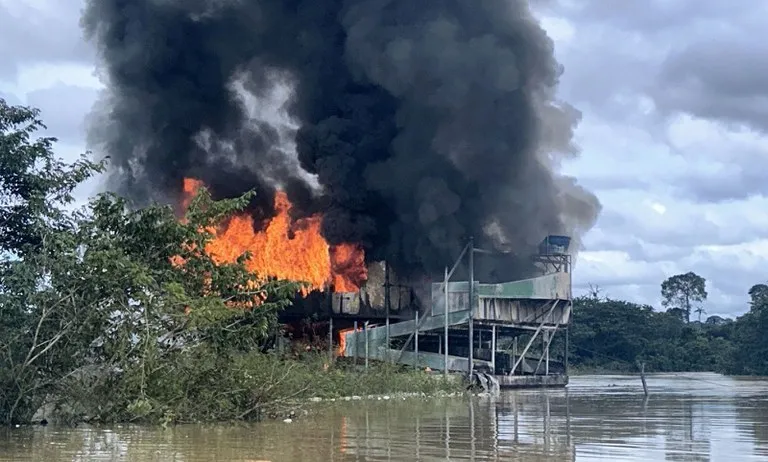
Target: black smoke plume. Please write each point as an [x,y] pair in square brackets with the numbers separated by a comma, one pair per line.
[424,122]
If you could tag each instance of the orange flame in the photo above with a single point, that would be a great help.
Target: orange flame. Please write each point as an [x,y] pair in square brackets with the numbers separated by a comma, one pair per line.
[190,188]
[343,340]
[348,266]
[286,248]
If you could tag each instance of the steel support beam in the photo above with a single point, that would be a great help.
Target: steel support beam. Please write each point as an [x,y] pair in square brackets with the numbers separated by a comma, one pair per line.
[330,340]
[365,326]
[493,349]
[416,340]
[429,312]
[445,324]
[545,353]
[471,340]
[387,301]
[357,348]
[530,342]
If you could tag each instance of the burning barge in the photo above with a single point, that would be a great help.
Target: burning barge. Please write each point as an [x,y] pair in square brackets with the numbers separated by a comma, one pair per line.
[516,331]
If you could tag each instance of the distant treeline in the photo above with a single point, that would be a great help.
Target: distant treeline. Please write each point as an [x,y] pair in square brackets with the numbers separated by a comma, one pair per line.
[617,335]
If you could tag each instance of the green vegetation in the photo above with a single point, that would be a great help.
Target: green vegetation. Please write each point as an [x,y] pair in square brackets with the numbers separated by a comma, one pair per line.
[684,293]
[615,335]
[109,313]
[200,386]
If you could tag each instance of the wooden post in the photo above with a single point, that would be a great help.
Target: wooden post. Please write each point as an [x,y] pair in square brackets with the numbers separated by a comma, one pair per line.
[642,378]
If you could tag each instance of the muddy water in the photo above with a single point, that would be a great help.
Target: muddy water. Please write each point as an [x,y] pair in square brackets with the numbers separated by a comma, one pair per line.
[699,417]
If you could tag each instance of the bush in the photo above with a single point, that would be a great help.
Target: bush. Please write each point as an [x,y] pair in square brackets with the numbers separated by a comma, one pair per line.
[200,386]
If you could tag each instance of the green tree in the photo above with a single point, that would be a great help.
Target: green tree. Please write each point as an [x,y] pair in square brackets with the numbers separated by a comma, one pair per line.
[105,310]
[684,292]
[35,188]
[612,335]
[716,321]
[758,295]
[99,315]
[34,184]
[751,353]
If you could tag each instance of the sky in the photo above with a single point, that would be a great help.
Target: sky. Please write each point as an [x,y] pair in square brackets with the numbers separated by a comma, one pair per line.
[673,132]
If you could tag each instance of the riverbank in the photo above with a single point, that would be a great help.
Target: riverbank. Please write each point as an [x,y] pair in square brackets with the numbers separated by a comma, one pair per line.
[246,387]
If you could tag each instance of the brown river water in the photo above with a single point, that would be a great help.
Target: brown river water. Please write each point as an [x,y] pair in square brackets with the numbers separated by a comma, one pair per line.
[687,417]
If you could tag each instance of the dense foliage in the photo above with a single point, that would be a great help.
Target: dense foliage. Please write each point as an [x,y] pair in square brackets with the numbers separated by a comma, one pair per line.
[615,335]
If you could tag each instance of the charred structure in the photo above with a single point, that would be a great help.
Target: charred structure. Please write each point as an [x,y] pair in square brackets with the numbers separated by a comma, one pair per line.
[407,126]
[501,332]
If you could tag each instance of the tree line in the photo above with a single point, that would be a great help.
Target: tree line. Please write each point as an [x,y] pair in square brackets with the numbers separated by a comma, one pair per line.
[616,335]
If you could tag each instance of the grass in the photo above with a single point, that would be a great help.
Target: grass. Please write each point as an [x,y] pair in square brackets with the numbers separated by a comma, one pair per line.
[199,386]
[312,376]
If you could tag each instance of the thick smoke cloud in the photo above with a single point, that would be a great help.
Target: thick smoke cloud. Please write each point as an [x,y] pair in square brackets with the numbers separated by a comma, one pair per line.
[424,122]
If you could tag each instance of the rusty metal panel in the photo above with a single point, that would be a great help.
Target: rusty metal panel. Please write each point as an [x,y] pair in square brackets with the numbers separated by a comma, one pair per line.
[458,297]
[497,309]
[522,312]
[373,292]
[373,289]
[548,287]
[401,298]
[346,303]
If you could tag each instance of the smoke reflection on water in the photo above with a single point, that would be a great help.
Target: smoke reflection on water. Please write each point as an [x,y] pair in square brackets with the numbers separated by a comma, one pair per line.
[698,417]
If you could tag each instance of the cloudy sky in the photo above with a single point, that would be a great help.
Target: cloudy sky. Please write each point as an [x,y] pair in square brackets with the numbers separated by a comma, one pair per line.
[673,130]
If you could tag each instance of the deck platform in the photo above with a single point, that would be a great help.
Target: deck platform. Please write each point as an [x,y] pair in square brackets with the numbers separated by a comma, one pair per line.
[504,329]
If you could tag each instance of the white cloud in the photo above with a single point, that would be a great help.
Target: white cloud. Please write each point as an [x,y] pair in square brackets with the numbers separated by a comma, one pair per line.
[41,76]
[661,209]
[559,29]
[681,192]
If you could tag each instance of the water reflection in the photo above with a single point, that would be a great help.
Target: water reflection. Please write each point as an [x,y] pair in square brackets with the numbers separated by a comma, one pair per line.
[692,418]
